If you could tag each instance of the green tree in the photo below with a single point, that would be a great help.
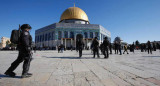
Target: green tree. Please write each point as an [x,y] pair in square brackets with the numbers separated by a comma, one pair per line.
[7,43]
[137,43]
[13,45]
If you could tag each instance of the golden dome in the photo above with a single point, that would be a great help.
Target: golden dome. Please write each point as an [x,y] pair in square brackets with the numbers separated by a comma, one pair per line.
[74,13]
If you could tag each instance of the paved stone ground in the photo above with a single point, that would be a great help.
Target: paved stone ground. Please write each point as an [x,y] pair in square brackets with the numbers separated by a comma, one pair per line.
[50,68]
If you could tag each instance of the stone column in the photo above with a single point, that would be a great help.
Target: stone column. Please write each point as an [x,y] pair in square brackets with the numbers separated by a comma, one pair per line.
[62,34]
[88,34]
[61,41]
[68,34]
[65,43]
[87,42]
[71,42]
[93,34]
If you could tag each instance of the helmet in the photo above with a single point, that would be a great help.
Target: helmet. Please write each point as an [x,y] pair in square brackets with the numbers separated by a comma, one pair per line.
[26,26]
[105,38]
[95,38]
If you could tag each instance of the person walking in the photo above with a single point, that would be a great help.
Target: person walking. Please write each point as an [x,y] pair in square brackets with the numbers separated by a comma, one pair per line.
[120,48]
[95,45]
[133,47]
[106,46]
[149,47]
[24,46]
[116,47]
[101,48]
[110,47]
[125,49]
[154,46]
[80,46]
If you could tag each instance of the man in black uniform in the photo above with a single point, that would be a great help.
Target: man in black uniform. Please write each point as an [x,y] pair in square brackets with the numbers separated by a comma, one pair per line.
[80,46]
[24,47]
[106,46]
[149,47]
[110,47]
[133,47]
[95,45]
[116,47]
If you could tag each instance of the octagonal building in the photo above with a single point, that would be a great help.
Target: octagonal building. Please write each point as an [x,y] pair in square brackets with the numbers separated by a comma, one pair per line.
[73,23]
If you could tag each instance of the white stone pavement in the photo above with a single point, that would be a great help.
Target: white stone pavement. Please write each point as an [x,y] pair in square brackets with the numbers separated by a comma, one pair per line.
[50,68]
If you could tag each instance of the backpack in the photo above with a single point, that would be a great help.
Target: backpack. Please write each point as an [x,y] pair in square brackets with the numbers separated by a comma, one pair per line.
[15,35]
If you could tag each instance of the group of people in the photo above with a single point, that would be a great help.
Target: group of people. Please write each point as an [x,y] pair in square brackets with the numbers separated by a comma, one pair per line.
[95,47]
[25,55]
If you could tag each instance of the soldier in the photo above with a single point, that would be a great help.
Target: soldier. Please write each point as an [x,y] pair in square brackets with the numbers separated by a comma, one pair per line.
[101,47]
[80,46]
[110,47]
[119,48]
[95,45]
[106,46]
[133,47]
[116,47]
[149,47]
[154,46]
[24,47]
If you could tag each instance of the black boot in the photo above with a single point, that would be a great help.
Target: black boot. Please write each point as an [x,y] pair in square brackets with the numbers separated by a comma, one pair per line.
[11,74]
[25,76]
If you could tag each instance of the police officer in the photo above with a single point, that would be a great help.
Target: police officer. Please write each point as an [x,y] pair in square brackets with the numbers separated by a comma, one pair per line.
[95,45]
[24,47]
[80,45]
[133,47]
[110,47]
[116,47]
[149,47]
[106,47]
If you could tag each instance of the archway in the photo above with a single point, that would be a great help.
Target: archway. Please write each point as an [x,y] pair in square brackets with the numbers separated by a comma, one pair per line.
[79,36]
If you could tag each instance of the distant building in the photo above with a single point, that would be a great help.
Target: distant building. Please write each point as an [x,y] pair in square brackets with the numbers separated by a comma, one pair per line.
[74,23]
[3,42]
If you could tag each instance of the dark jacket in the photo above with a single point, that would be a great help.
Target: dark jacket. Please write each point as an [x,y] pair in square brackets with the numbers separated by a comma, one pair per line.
[106,44]
[95,44]
[25,41]
[80,44]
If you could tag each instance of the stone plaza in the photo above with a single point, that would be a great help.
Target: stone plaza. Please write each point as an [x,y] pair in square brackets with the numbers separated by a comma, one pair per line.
[51,68]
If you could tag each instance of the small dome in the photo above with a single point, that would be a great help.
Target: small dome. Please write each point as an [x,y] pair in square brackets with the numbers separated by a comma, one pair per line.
[74,13]
[118,39]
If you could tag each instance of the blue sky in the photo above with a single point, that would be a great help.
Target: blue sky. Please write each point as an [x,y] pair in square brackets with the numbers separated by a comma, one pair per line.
[129,19]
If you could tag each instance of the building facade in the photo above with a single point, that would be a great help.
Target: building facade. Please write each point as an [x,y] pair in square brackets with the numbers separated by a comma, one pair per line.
[3,42]
[73,24]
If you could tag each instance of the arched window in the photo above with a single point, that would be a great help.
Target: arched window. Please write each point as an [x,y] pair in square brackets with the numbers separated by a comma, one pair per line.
[65,34]
[85,35]
[43,37]
[53,35]
[49,36]
[102,37]
[72,34]
[38,39]
[46,37]
[96,34]
[59,35]
[91,34]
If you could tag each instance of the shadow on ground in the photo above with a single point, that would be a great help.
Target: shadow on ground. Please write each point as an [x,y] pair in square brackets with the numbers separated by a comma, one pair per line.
[6,76]
[74,57]
[150,56]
